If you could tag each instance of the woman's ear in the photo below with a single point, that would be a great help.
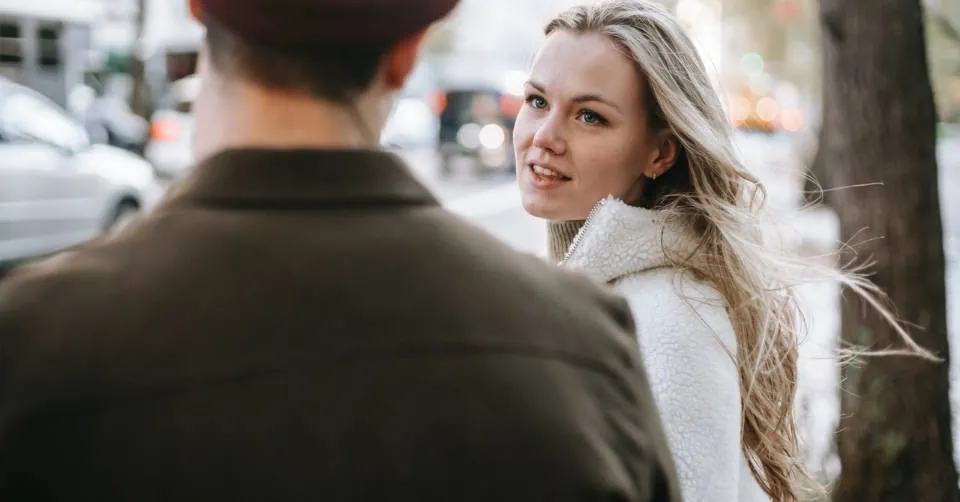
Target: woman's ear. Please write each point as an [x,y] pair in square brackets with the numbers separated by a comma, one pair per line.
[664,156]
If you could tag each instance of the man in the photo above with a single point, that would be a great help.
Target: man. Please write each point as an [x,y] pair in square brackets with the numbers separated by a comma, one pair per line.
[300,320]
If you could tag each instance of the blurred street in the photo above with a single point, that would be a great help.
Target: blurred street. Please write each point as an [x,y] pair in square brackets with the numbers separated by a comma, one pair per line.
[97,120]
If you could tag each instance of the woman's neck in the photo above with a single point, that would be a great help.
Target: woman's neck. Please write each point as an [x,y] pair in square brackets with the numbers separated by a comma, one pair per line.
[560,235]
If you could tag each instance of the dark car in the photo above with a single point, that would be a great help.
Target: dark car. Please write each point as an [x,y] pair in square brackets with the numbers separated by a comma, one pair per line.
[476,123]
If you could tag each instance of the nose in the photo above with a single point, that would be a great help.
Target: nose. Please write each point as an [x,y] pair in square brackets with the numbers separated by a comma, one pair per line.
[549,136]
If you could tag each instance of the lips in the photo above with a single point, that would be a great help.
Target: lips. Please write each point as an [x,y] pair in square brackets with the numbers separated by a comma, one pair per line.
[547,171]
[545,176]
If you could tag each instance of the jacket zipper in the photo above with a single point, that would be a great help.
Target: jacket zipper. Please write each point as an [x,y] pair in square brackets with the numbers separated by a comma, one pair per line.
[586,225]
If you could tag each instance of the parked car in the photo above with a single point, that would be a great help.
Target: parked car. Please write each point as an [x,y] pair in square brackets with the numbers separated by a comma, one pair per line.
[110,111]
[56,188]
[170,147]
[476,123]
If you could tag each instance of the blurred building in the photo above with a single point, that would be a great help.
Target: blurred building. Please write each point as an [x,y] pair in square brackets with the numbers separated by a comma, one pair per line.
[164,36]
[769,63]
[46,44]
[166,24]
[487,40]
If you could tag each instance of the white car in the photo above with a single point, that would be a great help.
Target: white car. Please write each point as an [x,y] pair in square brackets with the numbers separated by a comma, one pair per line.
[56,188]
[170,148]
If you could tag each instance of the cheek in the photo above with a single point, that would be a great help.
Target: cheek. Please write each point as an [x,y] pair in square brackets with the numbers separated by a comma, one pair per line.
[606,166]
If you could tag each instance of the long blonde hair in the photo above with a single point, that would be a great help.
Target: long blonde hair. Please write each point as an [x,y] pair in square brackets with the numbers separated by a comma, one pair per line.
[709,190]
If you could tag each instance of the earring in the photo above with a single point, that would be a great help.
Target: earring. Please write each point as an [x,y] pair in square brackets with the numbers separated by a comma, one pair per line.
[654,176]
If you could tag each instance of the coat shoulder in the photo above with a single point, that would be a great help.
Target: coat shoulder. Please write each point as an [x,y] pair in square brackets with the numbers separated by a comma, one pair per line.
[674,304]
[49,291]
[39,285]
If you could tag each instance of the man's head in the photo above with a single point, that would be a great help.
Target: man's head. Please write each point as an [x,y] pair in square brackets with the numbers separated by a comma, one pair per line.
[294,56]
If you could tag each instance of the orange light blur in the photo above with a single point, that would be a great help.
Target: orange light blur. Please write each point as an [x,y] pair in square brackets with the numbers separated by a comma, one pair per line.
[438,101]
[510,105]
[164,130]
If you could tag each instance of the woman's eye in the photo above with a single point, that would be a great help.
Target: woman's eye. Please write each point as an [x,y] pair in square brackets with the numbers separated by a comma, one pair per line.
[591,118]
[537,102]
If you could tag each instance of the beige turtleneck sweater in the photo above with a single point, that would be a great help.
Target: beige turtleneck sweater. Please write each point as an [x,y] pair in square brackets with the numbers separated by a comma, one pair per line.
[560,235]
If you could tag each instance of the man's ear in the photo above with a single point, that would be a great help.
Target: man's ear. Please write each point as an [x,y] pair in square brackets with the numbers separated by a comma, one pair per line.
[196,10]
[664,156]
[402,59]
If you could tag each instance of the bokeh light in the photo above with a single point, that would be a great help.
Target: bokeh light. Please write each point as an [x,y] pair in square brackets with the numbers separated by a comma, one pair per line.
[791,120]
[739,109]
[768,109]
[752,63]
[761,84]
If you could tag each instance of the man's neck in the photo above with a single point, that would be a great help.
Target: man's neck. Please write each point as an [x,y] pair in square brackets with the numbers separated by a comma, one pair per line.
[263,119]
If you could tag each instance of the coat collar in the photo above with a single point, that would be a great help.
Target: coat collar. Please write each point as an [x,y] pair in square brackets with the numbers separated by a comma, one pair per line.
[301,178]
[618,240]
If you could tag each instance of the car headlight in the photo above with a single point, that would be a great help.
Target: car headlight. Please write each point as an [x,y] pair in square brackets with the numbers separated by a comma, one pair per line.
[469,136]
[492,136]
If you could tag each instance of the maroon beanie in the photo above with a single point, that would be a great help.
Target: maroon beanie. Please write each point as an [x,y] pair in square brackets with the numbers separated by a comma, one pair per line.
[306,23]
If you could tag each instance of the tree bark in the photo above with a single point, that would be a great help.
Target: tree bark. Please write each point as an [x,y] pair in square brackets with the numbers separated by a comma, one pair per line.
[895,439]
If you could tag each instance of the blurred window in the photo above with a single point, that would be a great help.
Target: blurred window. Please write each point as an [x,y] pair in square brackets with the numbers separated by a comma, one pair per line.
[11,42]
[185,107]
[183,93]
[181,65]
[24,117]
[49,43]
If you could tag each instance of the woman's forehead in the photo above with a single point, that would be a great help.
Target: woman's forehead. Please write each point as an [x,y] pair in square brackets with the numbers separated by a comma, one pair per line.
[591,63]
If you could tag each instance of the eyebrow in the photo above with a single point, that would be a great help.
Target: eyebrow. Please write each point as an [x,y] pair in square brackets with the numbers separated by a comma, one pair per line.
[583,98]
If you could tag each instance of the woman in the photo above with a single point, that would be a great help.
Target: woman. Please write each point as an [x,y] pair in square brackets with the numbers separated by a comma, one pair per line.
[622,129]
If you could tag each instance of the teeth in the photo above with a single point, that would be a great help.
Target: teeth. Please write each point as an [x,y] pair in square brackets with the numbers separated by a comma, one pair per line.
[543,171]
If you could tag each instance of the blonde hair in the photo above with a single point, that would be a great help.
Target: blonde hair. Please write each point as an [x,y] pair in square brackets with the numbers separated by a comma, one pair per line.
[709,190]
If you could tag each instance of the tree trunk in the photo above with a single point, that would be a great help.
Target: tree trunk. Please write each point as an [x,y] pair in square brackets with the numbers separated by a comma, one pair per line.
[895,439]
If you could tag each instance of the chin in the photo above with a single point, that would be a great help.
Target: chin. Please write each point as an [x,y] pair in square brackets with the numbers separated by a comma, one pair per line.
[539,208]
[551,205]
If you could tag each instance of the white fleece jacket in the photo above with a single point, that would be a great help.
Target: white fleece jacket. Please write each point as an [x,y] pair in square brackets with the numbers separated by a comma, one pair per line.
[687,343]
